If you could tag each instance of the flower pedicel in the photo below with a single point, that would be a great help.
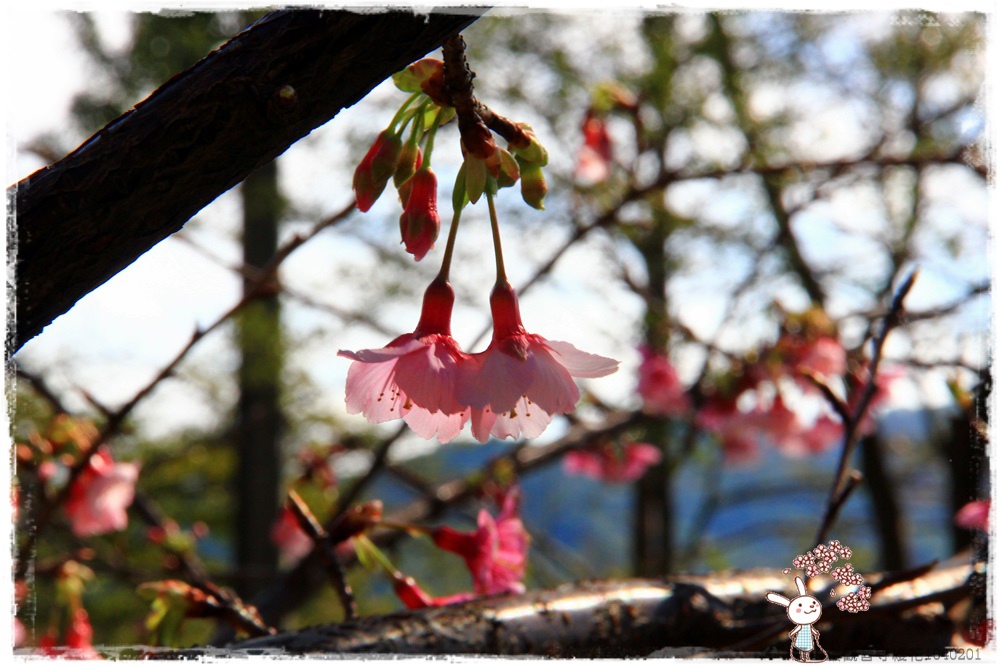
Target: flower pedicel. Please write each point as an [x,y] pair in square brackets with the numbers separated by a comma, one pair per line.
[515,386]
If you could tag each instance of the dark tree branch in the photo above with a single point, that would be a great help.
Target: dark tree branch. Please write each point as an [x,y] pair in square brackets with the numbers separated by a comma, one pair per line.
[88,216]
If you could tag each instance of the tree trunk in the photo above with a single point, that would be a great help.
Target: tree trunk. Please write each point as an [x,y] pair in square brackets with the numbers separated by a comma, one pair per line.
[260,420]
[885,503]
[88,216]
[654,508]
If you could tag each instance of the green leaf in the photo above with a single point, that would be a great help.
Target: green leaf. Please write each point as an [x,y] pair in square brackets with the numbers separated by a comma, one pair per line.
[459,198]
[475,177]
[406,81]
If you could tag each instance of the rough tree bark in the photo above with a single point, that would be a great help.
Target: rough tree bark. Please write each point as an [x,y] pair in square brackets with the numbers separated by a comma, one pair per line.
[88,216]
[912,614]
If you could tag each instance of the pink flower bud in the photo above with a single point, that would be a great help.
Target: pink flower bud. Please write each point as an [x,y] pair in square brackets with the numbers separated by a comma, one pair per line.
[376,168]
[420,223]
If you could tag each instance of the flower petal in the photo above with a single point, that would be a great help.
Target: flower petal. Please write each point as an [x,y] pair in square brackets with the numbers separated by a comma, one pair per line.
[428,424]
[372,391]
[579,363]
[400,346]
[499,381]
[428,376]
[553,389]
[523,420]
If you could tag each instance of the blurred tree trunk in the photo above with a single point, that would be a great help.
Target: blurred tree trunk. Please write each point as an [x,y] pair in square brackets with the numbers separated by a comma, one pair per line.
[654,509]
[260,422]
[885,503]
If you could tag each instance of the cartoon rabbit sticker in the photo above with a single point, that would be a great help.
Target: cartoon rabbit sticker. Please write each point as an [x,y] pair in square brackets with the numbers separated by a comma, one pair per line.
[804,611]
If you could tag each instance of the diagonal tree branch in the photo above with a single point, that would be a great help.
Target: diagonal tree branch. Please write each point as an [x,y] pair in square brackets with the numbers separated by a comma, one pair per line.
[88,216]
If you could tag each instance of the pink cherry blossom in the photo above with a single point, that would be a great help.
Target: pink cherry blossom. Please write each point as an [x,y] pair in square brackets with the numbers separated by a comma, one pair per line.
[496,552]
[101,494]
[661,391]
[974,515]
[414,376]
[626,463]
[521,380]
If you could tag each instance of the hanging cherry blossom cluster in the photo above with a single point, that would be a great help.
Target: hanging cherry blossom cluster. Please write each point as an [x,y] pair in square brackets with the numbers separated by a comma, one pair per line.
[515,386]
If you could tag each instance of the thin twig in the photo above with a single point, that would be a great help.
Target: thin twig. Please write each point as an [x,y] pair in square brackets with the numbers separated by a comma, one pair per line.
[345,502]
[842,485]
[335,570]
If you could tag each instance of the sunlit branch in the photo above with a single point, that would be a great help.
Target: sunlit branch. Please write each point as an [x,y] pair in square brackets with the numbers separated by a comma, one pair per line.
[627,618]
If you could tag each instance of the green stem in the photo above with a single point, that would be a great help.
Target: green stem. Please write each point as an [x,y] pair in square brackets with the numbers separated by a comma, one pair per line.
[377,554]
[450,246]
[431,133]
[497,250]
[402,110]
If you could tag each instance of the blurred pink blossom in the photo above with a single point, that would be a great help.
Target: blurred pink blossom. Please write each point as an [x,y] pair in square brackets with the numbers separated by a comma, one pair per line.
[288,536]
[79,636]
[101,494]
[736,430]
[661,391]
[496,552]
[626,463]
[789,433]
[974,515]
[823,356]
[593,164]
